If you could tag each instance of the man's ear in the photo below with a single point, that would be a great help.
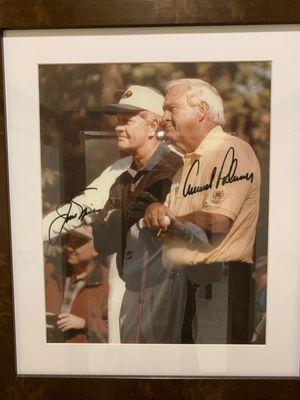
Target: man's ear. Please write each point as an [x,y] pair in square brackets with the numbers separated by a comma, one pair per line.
[154,125]
[203,108]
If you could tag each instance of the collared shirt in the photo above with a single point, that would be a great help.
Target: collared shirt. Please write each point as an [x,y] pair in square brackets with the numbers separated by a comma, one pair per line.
[221,176]
[70,293]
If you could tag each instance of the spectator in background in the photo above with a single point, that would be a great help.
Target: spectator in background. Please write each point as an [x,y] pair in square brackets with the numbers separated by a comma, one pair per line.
[76,307]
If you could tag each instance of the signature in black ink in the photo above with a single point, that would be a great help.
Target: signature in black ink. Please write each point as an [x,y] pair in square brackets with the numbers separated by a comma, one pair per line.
[68,215]
[224,177]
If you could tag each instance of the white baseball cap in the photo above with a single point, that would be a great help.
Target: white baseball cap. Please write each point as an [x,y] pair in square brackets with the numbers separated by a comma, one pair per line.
[138,98]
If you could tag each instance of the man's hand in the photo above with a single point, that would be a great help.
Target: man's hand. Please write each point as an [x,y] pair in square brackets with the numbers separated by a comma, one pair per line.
[155,216]
[68,321]
[138,206]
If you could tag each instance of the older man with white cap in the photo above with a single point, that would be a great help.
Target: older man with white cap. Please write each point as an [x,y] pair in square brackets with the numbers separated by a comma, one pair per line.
[117,199]
[83,208]
[150,312]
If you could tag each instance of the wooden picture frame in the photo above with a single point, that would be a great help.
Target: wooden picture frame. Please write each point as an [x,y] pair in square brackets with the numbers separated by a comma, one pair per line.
[87,14]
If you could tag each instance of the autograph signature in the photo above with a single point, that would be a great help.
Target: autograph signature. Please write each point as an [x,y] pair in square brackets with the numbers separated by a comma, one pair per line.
[224,176]
[68,215]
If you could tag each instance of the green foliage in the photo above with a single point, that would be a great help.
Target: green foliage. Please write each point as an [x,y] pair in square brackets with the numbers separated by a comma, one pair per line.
[244,87]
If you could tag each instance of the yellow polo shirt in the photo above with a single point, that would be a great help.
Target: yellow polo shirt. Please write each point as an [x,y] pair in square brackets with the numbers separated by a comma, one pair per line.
[222,176]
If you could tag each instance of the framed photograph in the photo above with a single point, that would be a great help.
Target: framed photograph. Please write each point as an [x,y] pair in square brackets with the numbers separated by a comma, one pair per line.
[57,107]
[145,189]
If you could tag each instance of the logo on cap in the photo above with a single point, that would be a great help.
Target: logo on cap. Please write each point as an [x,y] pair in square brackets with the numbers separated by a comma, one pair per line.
[127,94]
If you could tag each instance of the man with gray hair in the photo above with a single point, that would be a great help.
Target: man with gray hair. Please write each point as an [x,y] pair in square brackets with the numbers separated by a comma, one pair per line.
[215,194]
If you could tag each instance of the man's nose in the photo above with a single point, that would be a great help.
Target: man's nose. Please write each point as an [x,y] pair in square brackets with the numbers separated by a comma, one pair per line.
[119,129]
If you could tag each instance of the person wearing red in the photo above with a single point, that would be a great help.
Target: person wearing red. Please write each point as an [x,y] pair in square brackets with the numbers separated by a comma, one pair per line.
[76,305]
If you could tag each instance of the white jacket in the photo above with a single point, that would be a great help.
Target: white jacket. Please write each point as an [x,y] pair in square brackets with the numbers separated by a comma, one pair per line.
[92,198]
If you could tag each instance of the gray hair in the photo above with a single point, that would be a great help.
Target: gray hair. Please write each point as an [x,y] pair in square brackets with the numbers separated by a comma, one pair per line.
[198,91]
